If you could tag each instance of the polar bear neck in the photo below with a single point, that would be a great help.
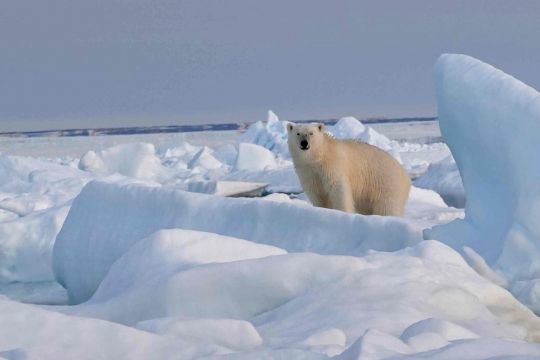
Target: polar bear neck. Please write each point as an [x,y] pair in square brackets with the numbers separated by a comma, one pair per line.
[323,151]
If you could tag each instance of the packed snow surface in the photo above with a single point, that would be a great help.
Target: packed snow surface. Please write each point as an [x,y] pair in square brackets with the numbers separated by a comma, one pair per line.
[491,123]
[94,222]
[157,262]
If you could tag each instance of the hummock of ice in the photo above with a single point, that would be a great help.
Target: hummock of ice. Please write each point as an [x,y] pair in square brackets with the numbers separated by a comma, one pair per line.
[443,177]
[254,157]
[350,128]
[137,160]
[491,123]
[272,135]
[95,222]
[34,201]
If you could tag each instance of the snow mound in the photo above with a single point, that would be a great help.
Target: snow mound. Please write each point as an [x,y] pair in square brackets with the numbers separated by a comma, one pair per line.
[26,245]
[28,332]
[271,134]
[244,288]
[351,128]
[28,185]
[34,201]
[138,160]
[109,219]
[491,123]
[443,177]
[254,157]
[180,249]
[150,263]
[238,335]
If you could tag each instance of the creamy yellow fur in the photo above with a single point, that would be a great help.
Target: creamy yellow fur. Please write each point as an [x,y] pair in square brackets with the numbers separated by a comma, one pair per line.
[347,175]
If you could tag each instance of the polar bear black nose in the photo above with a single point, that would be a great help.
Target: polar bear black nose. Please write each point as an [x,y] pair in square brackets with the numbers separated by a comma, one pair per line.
[304,145]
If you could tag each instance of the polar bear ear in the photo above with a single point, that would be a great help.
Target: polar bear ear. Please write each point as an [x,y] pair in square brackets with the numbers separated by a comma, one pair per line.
[290,127]
[320,127]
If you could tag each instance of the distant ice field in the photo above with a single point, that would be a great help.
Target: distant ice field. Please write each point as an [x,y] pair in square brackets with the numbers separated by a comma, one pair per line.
[76,146]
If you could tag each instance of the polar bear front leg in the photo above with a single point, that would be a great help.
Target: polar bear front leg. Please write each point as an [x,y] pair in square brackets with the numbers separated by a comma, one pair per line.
[341,197]
[317,198]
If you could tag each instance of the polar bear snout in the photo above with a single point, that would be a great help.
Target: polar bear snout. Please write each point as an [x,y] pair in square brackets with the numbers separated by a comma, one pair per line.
[304,145]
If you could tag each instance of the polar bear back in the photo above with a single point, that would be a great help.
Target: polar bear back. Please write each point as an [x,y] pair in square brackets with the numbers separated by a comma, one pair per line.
[378,182]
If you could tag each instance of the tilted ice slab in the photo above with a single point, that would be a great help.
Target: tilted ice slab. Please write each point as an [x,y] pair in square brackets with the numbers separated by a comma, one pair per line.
[491,122]
[34,201]
[107,219]
[271,134]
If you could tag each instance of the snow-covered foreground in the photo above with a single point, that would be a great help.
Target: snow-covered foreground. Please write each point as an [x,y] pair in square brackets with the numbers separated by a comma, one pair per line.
[157,263]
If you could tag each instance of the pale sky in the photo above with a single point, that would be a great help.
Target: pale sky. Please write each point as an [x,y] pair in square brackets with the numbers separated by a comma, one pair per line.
[94,63]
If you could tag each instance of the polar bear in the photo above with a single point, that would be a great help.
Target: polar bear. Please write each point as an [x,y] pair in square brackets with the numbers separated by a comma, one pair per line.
[347,175]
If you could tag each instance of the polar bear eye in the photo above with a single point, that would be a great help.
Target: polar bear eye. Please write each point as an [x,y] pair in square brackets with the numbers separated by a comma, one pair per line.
[310,133]
[298,134]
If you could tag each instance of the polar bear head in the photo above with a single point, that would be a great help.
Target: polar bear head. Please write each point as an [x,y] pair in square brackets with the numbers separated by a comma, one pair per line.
[305,138]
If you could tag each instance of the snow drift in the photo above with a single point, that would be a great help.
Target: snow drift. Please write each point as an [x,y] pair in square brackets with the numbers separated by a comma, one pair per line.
[106,219]
[138,160]
[491,123]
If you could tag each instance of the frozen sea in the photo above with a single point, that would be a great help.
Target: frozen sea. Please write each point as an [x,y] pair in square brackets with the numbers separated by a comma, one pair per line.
[76,146]
[203,244]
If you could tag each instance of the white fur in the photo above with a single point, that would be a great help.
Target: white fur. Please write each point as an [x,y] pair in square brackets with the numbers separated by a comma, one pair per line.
[347,175]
